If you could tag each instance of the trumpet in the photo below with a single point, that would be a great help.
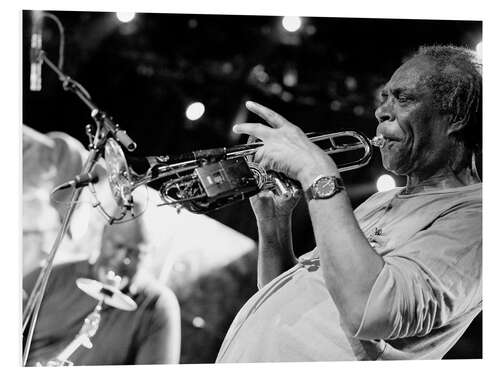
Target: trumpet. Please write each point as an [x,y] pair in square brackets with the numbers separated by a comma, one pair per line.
[206,180]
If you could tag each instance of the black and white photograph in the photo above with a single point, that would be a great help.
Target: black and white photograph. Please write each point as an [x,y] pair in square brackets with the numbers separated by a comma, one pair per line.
[238,188]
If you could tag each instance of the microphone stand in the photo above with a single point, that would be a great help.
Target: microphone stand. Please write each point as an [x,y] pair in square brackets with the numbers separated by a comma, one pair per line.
[105,128]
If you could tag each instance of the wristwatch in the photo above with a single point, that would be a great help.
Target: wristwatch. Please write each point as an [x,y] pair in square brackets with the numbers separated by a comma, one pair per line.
[324,187]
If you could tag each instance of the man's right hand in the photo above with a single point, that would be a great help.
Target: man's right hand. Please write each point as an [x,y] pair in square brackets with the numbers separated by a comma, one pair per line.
[274,222]
[268,206]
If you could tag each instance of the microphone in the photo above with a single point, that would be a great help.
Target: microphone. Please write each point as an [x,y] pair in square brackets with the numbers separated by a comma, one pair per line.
[80,181]
[35,52]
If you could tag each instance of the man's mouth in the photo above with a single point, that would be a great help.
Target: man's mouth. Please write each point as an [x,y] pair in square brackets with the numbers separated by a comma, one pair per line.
[382,141]
[391,141]
[391,138]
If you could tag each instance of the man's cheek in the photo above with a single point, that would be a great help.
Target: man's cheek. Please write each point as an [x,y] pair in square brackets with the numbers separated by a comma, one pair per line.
[388,161]
[394,158]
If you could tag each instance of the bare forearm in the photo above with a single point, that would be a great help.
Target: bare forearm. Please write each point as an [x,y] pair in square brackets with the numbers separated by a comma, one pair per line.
[173,352]
[350,266]
[275,249]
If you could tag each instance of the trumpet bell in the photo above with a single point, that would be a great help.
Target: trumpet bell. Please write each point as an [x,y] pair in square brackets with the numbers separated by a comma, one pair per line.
[119,178]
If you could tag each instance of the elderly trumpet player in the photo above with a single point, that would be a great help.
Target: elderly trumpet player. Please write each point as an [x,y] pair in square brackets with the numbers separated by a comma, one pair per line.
[398,278]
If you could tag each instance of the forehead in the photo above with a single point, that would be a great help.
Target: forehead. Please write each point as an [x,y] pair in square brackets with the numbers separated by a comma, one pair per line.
[412,75]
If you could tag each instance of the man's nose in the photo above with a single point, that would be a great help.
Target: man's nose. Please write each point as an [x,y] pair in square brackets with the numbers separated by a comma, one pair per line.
[384,113]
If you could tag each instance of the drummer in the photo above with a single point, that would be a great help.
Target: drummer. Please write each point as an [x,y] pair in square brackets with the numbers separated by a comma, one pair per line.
[148,335]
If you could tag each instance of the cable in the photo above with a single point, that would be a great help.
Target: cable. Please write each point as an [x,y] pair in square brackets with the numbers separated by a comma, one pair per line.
[60,26]
[119,220]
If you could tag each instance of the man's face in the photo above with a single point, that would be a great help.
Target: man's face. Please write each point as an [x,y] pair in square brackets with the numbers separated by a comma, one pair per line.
[416,133]
[120,251]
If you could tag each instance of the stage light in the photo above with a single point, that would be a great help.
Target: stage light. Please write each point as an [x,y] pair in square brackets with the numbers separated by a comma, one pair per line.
[359,110]
[335,105]
[286,96]
[125,16]
[290,77]
[291,24]
[259,73]
[351,83]
[198,322]
[385,182]
[195,110]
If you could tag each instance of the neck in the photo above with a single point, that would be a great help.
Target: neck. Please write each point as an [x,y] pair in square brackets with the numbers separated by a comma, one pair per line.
[457,170]
[444,178]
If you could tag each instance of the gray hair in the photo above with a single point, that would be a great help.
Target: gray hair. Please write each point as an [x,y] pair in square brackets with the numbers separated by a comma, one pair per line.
[457,86]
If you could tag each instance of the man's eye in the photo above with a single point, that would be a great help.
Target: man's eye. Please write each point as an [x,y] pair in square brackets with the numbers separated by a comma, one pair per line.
[404,99]
[382,99]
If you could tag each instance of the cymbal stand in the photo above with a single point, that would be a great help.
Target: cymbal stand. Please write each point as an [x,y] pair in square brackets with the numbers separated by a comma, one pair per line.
[88,330]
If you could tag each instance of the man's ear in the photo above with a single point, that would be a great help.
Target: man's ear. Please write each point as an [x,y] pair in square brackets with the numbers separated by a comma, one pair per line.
[455,125]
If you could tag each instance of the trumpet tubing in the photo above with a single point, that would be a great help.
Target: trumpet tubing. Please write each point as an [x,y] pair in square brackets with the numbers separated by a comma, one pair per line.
[205,180]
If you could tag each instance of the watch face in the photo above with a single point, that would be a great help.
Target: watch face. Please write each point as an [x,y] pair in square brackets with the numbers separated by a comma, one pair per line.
[325,187]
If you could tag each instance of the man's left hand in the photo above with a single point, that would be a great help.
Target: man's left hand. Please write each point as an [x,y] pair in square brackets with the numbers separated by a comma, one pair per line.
[286,148]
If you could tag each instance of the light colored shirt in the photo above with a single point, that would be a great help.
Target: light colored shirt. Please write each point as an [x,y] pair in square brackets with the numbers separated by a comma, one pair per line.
[426,295]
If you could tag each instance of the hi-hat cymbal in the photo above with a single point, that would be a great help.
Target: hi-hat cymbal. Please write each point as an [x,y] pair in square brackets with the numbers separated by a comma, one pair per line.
[111,295]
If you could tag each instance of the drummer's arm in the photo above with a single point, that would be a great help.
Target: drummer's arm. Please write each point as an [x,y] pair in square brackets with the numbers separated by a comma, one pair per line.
[163,342]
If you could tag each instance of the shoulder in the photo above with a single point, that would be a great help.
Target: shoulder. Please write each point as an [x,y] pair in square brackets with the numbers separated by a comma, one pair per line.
[470,197]
[72,269]
[462,204]
[62,275]
[156,296]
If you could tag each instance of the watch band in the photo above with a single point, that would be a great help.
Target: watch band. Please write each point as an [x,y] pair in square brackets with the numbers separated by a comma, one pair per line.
[324,187]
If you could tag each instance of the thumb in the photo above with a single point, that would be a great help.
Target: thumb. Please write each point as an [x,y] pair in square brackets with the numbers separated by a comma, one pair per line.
[251,139]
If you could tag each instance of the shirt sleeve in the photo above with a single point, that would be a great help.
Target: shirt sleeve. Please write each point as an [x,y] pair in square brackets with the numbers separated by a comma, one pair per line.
[428,281]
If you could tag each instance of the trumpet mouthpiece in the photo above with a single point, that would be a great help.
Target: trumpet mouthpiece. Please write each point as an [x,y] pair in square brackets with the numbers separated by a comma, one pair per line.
[378,141]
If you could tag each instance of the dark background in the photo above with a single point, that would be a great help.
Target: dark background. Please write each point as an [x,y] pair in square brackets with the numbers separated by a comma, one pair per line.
[145,72]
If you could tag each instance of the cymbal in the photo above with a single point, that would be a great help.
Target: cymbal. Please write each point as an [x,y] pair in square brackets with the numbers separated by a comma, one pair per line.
[111,295]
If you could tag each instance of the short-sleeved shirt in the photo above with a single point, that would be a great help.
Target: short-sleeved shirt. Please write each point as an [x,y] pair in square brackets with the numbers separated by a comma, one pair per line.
[123,337]
[426,295]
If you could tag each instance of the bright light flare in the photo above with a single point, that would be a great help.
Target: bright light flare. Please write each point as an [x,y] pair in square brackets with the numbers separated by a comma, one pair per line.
[479,48]
[198,322]
[194,111]
[125,16]
[291,24]
[385,182]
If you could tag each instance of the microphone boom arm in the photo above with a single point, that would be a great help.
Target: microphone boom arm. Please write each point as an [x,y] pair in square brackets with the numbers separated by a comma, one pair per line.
[99,116]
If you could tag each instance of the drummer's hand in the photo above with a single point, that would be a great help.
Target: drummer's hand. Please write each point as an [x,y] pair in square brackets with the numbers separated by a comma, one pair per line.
[286,148]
